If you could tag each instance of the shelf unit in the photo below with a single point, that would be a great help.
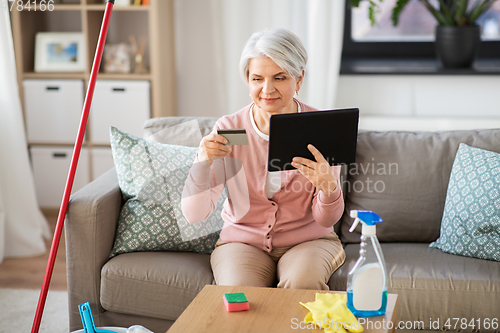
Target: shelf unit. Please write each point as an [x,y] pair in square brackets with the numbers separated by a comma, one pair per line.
[154,20]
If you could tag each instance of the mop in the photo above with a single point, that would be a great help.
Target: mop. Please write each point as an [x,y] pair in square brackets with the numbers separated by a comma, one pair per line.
[74,161]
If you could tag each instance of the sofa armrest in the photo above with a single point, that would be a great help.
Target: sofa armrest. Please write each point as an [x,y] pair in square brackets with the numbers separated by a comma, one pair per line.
[90,227]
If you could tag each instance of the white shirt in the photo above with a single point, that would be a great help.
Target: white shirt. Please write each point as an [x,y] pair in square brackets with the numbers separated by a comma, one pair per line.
[273,181]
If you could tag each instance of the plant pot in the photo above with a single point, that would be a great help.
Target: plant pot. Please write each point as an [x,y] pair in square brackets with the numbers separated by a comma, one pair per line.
[456,46]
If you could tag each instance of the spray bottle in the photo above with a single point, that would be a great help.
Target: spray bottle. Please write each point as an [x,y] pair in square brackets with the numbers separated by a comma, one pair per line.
[367,280]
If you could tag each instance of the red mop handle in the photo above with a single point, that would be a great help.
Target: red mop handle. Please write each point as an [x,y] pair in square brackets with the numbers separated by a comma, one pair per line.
[72,169]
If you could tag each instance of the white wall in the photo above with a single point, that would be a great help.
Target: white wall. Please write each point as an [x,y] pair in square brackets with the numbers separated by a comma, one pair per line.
[422,102]
[421,95]
[211,34]
[198,84]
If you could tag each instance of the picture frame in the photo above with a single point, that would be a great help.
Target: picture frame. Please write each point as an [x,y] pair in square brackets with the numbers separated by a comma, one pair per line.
[122,3]
[118,58]
[60,52]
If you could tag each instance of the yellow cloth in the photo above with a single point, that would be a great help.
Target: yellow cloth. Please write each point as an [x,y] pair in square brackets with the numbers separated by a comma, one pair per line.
[330,311]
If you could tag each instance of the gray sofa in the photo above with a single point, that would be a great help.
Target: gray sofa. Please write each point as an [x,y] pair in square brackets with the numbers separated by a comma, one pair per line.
[403,176]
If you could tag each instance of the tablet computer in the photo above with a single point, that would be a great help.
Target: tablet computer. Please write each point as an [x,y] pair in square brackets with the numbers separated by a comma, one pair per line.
[333,132]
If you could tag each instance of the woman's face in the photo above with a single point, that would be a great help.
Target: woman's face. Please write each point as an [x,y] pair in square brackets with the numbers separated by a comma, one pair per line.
[271,88]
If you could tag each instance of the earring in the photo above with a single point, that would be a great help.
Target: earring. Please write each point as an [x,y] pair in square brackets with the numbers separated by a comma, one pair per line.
[296,93]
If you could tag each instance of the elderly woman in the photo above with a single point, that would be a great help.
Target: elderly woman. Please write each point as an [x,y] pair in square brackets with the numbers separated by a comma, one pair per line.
[278,226]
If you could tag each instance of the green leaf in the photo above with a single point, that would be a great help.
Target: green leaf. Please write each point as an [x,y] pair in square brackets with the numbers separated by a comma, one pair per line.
[453,7]
[437,15]
[355,3]
[480,9]
[445,10]
[472,11]
[449,4]
[371,15]
[396,11]
[373,10]
[460,7]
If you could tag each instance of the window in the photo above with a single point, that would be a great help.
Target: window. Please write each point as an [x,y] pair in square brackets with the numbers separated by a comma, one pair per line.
[415,24]
[413,37]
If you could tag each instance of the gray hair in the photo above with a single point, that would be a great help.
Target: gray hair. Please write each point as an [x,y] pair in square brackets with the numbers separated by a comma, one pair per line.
[279,44]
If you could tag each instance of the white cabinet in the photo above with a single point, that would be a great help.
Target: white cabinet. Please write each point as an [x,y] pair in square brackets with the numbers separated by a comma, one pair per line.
[50,170]
[124,104]
[53,114]
[102,161]
[53,109]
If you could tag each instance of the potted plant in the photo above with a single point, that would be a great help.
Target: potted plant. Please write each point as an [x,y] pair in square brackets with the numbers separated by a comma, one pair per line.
[457,33]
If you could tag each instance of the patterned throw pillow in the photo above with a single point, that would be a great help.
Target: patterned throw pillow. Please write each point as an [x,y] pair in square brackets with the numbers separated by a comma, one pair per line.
[151,177]
[471,218]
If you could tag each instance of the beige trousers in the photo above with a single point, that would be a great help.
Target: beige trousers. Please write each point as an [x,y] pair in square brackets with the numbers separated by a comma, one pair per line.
[307,265]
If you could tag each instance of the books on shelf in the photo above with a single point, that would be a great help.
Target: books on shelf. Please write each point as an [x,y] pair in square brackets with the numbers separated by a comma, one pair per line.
[131,2]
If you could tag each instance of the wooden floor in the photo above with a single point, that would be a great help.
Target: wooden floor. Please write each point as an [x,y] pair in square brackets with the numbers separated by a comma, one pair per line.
[27,273]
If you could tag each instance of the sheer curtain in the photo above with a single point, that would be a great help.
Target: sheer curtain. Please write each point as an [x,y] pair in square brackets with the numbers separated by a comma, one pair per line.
[22,225]
[210,35]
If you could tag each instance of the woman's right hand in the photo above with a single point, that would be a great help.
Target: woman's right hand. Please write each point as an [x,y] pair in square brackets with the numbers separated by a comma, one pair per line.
[213,146]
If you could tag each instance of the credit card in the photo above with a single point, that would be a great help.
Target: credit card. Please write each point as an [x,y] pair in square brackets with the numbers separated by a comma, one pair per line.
[236,136]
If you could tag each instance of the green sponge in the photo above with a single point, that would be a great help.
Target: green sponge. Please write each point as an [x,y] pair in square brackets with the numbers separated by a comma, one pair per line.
[236,302]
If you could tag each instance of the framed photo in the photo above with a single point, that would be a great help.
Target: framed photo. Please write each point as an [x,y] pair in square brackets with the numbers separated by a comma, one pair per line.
[122,2]
[117,58]
[60,52]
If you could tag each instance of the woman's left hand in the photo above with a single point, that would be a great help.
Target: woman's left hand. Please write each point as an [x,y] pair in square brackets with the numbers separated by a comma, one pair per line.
[319,173]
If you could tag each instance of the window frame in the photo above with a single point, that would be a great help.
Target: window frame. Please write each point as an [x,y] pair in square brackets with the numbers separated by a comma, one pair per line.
[352,50]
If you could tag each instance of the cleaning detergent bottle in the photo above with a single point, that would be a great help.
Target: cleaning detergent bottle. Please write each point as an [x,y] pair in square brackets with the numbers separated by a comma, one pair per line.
[367,280]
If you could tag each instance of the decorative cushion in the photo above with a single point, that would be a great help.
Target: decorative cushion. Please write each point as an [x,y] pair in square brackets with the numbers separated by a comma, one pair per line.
[151,177]
[471,218]
[185,131]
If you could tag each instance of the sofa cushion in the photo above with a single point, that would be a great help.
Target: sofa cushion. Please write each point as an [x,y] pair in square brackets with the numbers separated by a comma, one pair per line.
[155,284]
[185,131]
[151,177]
[403,177]
[471,218]
[432,284]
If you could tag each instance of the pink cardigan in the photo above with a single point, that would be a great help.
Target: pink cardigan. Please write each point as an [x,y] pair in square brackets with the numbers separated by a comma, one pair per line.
[296,213]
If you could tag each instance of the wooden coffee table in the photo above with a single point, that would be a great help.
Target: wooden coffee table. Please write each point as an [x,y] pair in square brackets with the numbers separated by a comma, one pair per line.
[271,310]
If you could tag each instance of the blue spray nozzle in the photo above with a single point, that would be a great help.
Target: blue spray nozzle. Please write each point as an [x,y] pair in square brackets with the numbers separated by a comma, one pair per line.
[365,216]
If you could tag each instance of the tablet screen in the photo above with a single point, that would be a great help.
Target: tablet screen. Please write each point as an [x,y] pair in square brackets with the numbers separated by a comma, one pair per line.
[333,132]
